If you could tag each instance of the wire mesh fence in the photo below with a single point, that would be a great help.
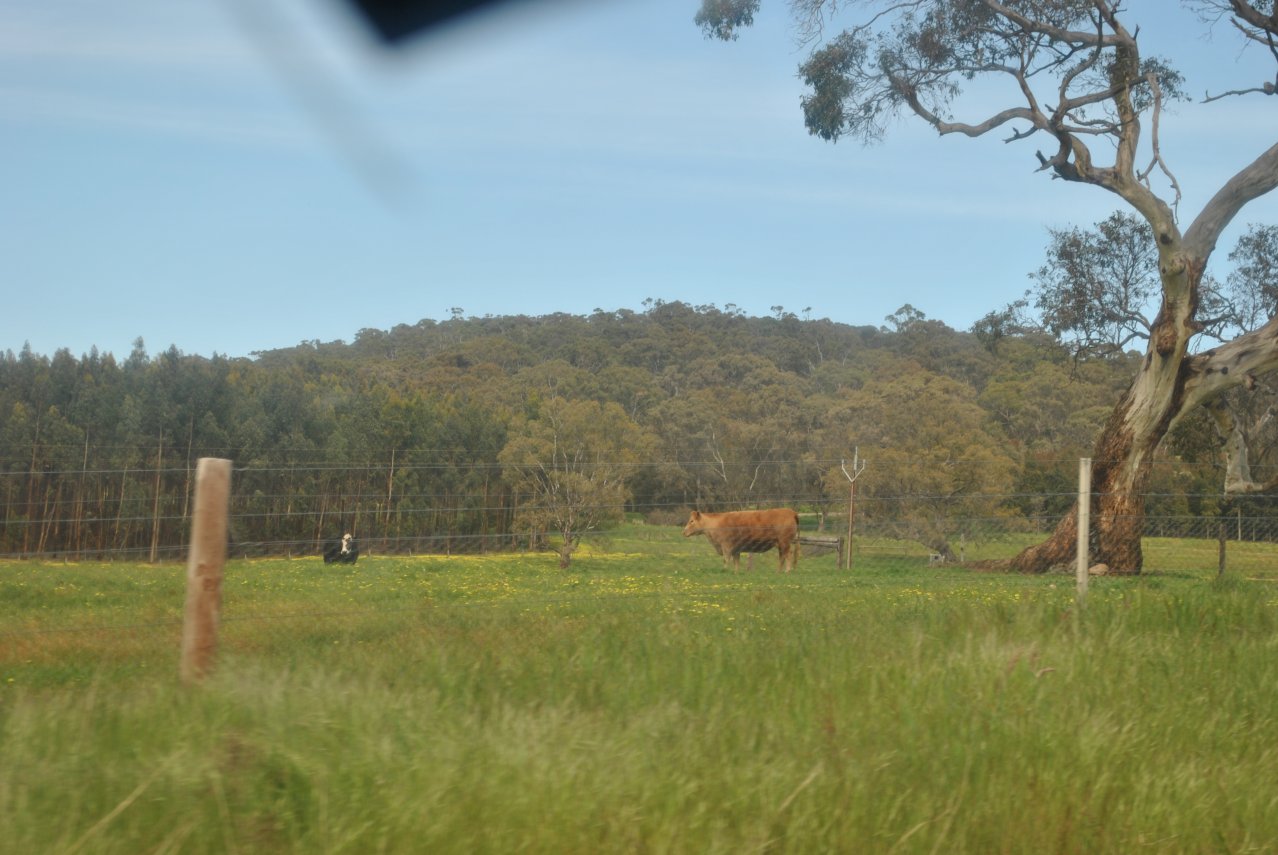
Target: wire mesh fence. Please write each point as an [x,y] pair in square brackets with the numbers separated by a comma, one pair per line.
[293,512]
[63,619]
[396,506]
[127,544]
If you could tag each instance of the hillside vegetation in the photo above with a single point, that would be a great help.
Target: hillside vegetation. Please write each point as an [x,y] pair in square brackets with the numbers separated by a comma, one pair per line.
[402,433]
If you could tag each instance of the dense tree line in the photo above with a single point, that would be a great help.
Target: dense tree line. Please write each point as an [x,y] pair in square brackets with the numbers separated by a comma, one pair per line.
[481,432]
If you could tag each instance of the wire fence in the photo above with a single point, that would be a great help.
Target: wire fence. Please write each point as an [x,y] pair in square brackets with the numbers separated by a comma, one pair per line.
[876,520]
[400,507]
[123,606]
[66,623]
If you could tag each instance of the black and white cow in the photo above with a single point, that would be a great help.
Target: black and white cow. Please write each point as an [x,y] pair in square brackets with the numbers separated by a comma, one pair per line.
[342,551]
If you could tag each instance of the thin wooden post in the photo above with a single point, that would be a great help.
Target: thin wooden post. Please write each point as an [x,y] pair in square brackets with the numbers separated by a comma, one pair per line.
[204,568]
[155,505]
[857,468]
[1084,523]
[1222,534]
[847,563]
[1220,550]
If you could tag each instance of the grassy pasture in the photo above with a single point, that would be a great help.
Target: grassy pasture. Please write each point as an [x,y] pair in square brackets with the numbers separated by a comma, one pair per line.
[645,701]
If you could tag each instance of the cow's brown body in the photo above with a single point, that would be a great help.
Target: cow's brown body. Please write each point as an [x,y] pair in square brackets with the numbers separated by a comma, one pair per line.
[735,532]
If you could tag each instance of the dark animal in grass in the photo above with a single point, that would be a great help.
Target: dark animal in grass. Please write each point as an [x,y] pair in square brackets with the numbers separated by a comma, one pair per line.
[342,551]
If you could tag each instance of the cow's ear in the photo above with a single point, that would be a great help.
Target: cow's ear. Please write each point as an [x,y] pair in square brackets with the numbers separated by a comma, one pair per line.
[696,515]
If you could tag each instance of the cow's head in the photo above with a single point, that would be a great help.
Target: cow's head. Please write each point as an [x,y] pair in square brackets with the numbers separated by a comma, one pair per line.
[346,543]
[694,525]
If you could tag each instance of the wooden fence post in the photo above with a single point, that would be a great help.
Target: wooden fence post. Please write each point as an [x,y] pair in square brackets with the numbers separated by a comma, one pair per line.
[845,560]
[1220,550]
[204,568]
[1084,523]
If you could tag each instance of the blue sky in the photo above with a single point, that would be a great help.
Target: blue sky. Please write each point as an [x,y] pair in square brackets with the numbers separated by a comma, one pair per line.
[240,175]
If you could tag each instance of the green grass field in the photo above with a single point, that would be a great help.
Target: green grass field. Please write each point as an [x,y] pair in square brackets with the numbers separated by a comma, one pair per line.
[644,701]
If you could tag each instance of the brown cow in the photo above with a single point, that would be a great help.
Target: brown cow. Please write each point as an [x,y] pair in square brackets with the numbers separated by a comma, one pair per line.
[735,532]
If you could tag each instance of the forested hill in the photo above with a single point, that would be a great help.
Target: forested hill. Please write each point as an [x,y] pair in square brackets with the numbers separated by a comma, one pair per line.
[672,345]
[669,335]
[423,426]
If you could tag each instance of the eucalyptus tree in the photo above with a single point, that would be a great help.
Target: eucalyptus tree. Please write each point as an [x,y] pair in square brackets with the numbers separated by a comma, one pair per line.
[571,464]
[1244,416]
[1094,294]
[1096,288]
[938,467]
[1252,286]
[1082,85]
[732,428]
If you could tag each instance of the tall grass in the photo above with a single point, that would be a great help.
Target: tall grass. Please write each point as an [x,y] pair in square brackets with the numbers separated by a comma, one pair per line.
[644,701]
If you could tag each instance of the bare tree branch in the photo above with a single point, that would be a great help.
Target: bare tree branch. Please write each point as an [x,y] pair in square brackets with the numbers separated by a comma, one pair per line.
[1155,144]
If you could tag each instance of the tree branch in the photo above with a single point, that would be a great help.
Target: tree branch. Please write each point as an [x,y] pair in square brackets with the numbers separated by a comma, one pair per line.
[1031,25]
[943,127]
[1210,374]
[1253,17]
[1238,480]
[1252,182]
[1265,89]
[1157,159]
